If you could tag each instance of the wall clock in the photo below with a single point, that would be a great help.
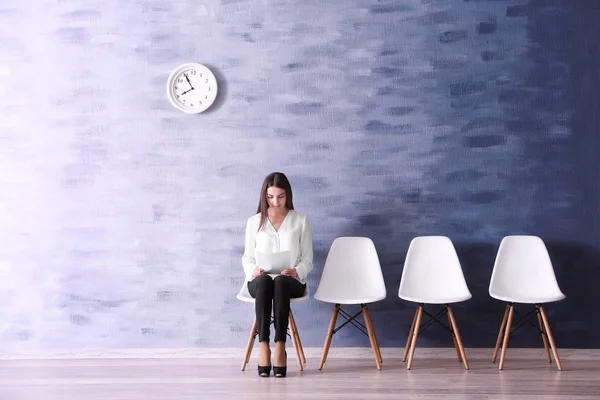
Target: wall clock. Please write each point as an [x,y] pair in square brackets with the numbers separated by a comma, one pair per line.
[192,88]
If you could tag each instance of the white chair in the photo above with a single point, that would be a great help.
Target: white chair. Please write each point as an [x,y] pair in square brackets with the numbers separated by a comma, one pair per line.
[351,275]
[245,296]
[523,273]
[432,275]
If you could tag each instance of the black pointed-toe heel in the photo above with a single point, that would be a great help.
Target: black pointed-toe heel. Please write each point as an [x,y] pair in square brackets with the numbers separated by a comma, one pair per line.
[264,371]
[280,372]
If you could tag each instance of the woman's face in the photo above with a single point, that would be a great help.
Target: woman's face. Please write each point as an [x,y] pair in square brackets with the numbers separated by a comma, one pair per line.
[276,197]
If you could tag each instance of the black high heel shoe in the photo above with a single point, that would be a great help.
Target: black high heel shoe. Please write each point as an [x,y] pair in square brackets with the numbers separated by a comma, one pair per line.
[280,372]
[264,371]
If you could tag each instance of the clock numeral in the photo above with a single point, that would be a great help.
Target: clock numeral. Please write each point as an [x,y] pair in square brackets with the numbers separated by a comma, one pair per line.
[206,80]
[199,101]
[200,75]
[209,88]
[206,97]
[193,72]
[184,102]
[179,80]
[191,104]
[175,87]
[177,96]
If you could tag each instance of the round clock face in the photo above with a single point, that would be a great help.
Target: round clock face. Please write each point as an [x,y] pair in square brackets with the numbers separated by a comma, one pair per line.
[192,88]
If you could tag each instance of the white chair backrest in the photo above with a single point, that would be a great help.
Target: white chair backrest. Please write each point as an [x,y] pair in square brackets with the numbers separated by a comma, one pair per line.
[523,271]
[432,272]
[352,273]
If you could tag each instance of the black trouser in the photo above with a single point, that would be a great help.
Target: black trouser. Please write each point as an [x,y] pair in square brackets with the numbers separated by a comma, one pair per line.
[275,293]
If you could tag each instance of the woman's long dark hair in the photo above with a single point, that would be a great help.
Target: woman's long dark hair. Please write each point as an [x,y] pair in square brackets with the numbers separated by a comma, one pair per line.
[277,179]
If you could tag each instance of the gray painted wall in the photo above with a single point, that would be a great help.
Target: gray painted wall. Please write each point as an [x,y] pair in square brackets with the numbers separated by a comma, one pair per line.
[121,219]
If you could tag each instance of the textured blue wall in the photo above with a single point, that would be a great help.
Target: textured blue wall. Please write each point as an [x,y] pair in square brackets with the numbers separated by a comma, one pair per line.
[121,219]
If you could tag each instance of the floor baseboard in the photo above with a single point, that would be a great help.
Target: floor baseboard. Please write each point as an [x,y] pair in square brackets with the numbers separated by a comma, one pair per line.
[310,352]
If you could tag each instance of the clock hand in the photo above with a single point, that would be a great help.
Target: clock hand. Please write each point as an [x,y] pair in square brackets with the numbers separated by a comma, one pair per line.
[189,90]
[188,81]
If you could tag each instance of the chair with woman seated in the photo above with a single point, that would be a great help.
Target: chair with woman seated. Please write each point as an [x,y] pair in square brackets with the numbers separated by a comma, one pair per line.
[245,296]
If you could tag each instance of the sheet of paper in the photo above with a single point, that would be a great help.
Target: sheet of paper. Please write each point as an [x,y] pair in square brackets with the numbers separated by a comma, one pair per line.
[274,263]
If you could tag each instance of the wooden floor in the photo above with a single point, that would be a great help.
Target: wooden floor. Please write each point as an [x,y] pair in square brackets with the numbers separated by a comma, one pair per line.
[436,374]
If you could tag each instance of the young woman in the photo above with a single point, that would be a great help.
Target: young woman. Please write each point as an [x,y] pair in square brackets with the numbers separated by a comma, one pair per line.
[276,227]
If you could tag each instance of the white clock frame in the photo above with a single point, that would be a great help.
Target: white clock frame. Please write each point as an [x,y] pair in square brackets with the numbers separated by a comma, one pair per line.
[198,77]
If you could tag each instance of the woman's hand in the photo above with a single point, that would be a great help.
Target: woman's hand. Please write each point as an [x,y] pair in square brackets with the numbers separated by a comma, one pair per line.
[258,271]
[291,272]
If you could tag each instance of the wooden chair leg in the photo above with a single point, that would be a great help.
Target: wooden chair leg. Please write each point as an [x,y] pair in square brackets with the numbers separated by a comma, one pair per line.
[511,311]
[250,344]
[457,339]
[410,335]
[544,336]
[454,339]
[375,337]
[295,342]
[550,338]
[500,334]
[298,341]
[413,342]
[329,335]
[371,332]
[376,342]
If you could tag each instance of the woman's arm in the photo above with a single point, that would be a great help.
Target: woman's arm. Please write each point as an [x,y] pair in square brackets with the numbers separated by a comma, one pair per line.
[305,257]
[248,260]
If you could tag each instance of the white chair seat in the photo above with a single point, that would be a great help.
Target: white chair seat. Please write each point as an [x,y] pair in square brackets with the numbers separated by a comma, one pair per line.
[244,295]
[437,300]
[524,299]
[347,300]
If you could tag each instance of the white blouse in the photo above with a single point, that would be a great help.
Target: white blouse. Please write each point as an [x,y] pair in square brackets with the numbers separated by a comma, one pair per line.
[293,235]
